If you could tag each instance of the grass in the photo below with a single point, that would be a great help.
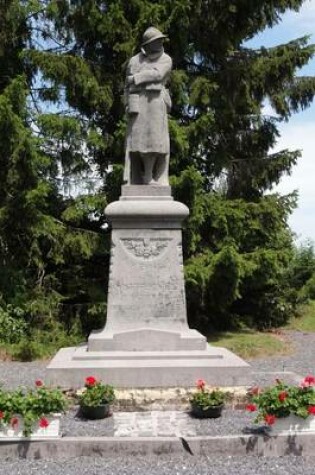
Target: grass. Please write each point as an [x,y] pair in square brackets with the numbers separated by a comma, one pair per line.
[306,321]
[251,344]
[42,346]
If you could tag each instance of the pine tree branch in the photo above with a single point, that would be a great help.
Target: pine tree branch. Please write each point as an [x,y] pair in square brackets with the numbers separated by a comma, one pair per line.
[46,35]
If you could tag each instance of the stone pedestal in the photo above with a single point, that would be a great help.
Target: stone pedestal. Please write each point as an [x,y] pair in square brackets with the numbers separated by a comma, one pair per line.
[146,341]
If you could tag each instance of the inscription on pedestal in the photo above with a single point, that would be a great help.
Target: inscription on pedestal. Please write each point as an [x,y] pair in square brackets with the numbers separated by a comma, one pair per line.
[146,287]
[155,296]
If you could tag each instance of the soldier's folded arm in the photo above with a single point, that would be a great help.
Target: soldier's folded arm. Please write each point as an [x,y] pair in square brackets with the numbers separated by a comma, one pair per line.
[157,74]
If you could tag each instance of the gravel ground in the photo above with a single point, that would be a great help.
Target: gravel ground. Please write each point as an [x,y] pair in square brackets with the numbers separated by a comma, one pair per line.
[301,362]
[231,422]
[72,424]
[163,465]
[14,374]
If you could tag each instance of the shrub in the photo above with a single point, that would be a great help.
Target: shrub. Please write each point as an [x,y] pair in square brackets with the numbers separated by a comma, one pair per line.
[308,290]
[12,326]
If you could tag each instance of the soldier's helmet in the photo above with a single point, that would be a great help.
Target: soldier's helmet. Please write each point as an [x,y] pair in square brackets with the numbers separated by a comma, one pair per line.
[151,34]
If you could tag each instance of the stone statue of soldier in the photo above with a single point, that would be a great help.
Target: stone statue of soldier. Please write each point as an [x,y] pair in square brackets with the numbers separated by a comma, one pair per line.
[147,105]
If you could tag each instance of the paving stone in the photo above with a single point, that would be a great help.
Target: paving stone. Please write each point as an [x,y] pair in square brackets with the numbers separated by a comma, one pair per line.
[153,424]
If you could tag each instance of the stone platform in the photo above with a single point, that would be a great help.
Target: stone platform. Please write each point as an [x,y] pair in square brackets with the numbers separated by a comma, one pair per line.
[153,369]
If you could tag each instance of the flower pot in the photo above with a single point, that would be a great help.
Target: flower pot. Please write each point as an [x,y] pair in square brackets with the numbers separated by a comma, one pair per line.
[293,424]
[51,431]
[96,412]
[211,412]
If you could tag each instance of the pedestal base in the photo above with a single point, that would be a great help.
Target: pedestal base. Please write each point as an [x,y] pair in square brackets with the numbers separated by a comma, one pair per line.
[146,339]
[147,342]
[149,369]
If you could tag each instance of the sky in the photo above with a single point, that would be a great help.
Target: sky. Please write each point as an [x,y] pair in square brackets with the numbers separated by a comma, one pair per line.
[299,132]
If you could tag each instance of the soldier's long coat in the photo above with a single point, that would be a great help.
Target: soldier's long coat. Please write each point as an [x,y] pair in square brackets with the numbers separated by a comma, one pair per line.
[147,105]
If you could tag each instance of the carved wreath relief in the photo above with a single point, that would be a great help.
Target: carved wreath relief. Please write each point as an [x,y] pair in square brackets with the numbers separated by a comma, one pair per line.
[145,248]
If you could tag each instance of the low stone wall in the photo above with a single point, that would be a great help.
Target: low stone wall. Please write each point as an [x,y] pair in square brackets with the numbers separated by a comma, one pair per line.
[170,399]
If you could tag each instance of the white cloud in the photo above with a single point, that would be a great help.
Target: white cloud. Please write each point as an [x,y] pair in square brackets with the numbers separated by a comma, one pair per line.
[301,135]
[304,19]
[308,9]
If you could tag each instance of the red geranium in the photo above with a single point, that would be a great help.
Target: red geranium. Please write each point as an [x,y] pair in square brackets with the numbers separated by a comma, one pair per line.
[200,383]
[282,400]
[251,407]
[1,415]
[14,422]
[39,383]
[282,396]
[270,419]
[90,381]
[43,423]
[309,380]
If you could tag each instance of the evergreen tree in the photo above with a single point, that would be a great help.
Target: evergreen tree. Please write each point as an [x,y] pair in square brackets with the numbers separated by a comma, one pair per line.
[47,254]
[237,244]
[19,182]
[302,270]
